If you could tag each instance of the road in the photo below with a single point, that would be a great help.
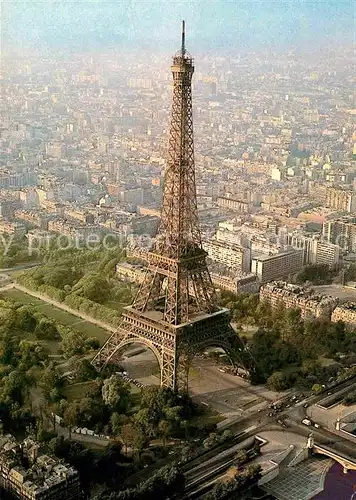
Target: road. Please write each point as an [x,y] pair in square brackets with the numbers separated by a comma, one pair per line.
[229,395]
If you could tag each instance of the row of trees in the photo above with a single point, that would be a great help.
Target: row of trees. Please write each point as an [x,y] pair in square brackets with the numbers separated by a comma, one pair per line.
[106,407]
[166,483]
[317,274]
[287,348]
[67,277]
[242,481]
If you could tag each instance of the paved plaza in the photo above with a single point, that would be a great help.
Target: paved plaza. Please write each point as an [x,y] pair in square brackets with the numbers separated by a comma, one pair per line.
[301,482]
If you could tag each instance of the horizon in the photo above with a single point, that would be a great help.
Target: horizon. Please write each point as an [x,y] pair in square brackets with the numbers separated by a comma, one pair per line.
[139,25]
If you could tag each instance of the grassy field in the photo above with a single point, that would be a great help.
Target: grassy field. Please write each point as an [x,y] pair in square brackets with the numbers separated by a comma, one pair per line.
[77,391]
[59,315]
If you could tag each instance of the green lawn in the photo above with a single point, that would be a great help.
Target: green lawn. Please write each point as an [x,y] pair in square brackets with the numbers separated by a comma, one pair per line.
[113,304]
[59,315]
[51,345]
[77,391]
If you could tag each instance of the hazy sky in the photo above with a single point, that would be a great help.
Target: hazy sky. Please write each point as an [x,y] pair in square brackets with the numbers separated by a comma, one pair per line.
[211,24]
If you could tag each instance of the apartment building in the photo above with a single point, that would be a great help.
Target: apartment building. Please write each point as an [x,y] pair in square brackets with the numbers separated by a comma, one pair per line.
[341,199]
[80,215]
[16,229]
[341,232]
[25,474]
[248,284]
[274,267]
[325,253]
[9,207]
[233,204]
[34,217]
[315,250]
[229,254]
[130,273]
[310,304]
[347,313]
[74,230]
[224,282]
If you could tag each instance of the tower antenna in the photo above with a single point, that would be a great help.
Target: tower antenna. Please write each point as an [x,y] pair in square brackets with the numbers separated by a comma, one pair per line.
[183,38]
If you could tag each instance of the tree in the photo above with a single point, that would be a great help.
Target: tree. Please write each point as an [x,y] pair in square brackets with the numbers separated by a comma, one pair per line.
[86,412]
[73,342]
[93,287]
[50,380]
[85,371]
[317,388]
[116,394]
[46,329]
[117,421]
[164,429]
[318,274]
[241,457]
[277,382]
[25,319]
[127,435]
[60,276]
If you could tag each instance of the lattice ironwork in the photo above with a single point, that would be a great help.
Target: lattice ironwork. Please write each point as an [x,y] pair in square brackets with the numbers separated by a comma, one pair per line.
[175,312]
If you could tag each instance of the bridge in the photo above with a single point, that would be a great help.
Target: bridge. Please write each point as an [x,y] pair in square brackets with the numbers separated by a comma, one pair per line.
[347,462]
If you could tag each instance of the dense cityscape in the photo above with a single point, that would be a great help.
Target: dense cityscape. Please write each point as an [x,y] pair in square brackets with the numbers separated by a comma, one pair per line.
[108,258]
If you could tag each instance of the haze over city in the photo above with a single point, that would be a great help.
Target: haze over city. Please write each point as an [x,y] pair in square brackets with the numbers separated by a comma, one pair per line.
[177,250]
[144,25]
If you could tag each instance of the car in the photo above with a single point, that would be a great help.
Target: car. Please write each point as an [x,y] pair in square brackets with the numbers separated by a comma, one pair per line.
[305,405]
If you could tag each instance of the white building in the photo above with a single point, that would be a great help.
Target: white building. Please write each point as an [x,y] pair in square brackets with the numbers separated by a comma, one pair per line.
[229,254]
[274,267]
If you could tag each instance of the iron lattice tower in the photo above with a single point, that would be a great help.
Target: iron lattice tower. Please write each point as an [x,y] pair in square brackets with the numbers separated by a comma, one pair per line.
[175,312]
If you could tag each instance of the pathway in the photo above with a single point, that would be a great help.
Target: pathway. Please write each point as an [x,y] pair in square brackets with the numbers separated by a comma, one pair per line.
[59,305]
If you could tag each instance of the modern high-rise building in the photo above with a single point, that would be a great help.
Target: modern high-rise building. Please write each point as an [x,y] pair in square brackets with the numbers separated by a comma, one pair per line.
[341,232]
[233,256]
[274,267]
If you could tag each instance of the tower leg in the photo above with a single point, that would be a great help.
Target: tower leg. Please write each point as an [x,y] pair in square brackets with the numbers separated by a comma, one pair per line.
[168,370]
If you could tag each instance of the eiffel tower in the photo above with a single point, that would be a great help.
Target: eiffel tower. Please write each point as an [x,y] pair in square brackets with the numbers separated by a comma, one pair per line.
[175,312]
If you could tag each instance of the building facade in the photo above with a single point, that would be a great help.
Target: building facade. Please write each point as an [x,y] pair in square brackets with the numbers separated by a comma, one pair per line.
[25,474]
[311,305]
[347,313]
[341,199]
[234,256]
[232,204]
[341,232]
[273,267]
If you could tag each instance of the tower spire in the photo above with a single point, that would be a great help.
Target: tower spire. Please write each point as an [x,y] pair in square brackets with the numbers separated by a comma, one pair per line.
[183,38]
